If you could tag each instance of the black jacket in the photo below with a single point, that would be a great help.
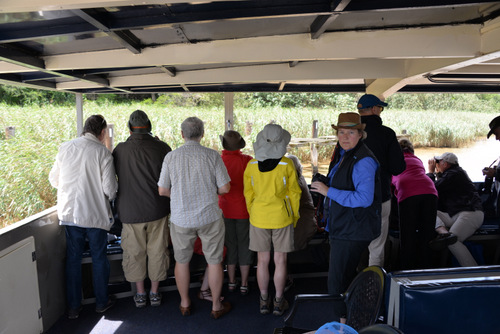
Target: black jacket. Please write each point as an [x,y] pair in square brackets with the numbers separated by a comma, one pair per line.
[383,143]
[138,163]
[456,191]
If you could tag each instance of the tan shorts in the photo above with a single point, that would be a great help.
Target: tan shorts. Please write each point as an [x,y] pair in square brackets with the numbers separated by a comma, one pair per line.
[212,240]
[145,251]
[280,239]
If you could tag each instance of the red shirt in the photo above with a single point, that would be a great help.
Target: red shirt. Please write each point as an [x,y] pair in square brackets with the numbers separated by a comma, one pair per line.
[233,203]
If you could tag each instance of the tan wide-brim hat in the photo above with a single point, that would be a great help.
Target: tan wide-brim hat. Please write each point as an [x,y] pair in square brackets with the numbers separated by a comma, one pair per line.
[271,142]
[349,120]
[232,140]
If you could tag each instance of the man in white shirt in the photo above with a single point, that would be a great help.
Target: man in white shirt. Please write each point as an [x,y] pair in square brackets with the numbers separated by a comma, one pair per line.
[84,176]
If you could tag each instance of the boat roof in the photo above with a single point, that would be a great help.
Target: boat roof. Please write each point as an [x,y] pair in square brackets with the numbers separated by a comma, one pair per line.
[152,46]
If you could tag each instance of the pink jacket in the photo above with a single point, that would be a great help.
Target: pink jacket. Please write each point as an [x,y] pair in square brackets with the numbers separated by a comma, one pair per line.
[413,181]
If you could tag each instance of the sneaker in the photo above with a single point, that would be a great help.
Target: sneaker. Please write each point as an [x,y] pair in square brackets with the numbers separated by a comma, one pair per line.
[106,307]
[74,313]
[140,300]
[280,307]
[265,305]
[154,299]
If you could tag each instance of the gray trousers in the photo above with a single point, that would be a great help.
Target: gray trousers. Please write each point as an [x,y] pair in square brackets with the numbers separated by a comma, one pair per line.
[463,225]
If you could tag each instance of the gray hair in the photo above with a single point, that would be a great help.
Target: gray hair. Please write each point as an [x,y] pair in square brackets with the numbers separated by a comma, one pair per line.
[192,128]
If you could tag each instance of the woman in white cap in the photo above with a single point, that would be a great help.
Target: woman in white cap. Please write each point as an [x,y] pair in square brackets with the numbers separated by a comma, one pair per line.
[272,194]
[352,203]
[460,211]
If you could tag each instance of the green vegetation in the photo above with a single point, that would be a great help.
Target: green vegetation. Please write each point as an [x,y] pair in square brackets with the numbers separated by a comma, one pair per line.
[43,120]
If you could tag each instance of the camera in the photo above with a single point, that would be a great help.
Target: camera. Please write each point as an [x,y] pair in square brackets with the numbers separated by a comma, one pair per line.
[321,178]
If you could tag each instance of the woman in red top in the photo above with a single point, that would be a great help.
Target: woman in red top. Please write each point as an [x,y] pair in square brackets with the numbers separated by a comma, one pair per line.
[235,211]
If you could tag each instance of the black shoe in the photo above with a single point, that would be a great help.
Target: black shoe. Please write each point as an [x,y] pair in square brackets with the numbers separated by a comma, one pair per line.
[442,241]
[74,313]
[111,302]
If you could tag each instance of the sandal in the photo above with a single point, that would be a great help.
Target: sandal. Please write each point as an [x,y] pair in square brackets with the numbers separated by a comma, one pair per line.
[244,290]
[232,286]
[207,295]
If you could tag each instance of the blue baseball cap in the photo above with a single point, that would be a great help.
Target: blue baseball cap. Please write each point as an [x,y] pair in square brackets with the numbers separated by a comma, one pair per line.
[370,100]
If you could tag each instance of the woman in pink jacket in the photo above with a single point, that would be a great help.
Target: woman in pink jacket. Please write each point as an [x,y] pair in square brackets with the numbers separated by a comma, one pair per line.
[417,199]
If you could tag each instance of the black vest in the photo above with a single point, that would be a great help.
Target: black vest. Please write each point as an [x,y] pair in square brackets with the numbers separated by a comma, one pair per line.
[359,224]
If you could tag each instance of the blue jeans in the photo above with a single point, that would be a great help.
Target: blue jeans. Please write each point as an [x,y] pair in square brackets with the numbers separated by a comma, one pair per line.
[75,245]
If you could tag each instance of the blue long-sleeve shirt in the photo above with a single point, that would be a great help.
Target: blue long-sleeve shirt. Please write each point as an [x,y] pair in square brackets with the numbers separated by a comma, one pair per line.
[363,177]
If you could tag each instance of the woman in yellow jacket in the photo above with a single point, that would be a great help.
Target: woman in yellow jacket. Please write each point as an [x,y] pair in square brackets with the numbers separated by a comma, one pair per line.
[272,195]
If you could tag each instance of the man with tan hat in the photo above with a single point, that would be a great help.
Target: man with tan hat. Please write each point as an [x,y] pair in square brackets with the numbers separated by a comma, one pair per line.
[459,212]
[382,141]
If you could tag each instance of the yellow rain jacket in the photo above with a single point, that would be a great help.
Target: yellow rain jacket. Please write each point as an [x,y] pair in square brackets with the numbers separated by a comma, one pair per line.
[272,197]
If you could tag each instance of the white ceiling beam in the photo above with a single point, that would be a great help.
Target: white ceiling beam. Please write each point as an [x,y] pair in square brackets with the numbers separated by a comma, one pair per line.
[307,71]
[6,67]
[442,42]
[478,69]
[415,69]
[489,51]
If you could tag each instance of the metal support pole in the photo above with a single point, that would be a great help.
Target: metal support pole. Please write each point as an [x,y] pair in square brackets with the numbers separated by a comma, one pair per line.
[314,150]
[79,113]
[229,108]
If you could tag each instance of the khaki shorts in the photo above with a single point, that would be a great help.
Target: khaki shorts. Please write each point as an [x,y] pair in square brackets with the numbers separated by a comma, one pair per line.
[145,251]
[212,240]
[281,239]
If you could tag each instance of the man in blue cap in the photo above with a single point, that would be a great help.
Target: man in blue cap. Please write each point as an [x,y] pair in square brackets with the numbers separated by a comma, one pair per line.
[383,143]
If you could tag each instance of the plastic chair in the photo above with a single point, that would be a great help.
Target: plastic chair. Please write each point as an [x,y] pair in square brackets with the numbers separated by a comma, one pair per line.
[363,299]
[380,329]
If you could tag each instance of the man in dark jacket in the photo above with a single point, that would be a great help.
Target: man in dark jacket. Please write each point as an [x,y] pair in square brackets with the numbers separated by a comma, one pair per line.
[382,141]
[141,209]
[459,207]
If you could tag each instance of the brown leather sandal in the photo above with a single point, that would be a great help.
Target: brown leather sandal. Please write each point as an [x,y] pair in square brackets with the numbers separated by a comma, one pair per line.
[226,307]
[185,311]
[207,295]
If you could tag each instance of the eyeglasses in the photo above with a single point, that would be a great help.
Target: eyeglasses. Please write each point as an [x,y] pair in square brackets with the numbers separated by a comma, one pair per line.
[381,108]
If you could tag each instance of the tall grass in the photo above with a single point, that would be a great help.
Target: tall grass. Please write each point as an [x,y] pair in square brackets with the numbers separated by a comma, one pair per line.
[27,159]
